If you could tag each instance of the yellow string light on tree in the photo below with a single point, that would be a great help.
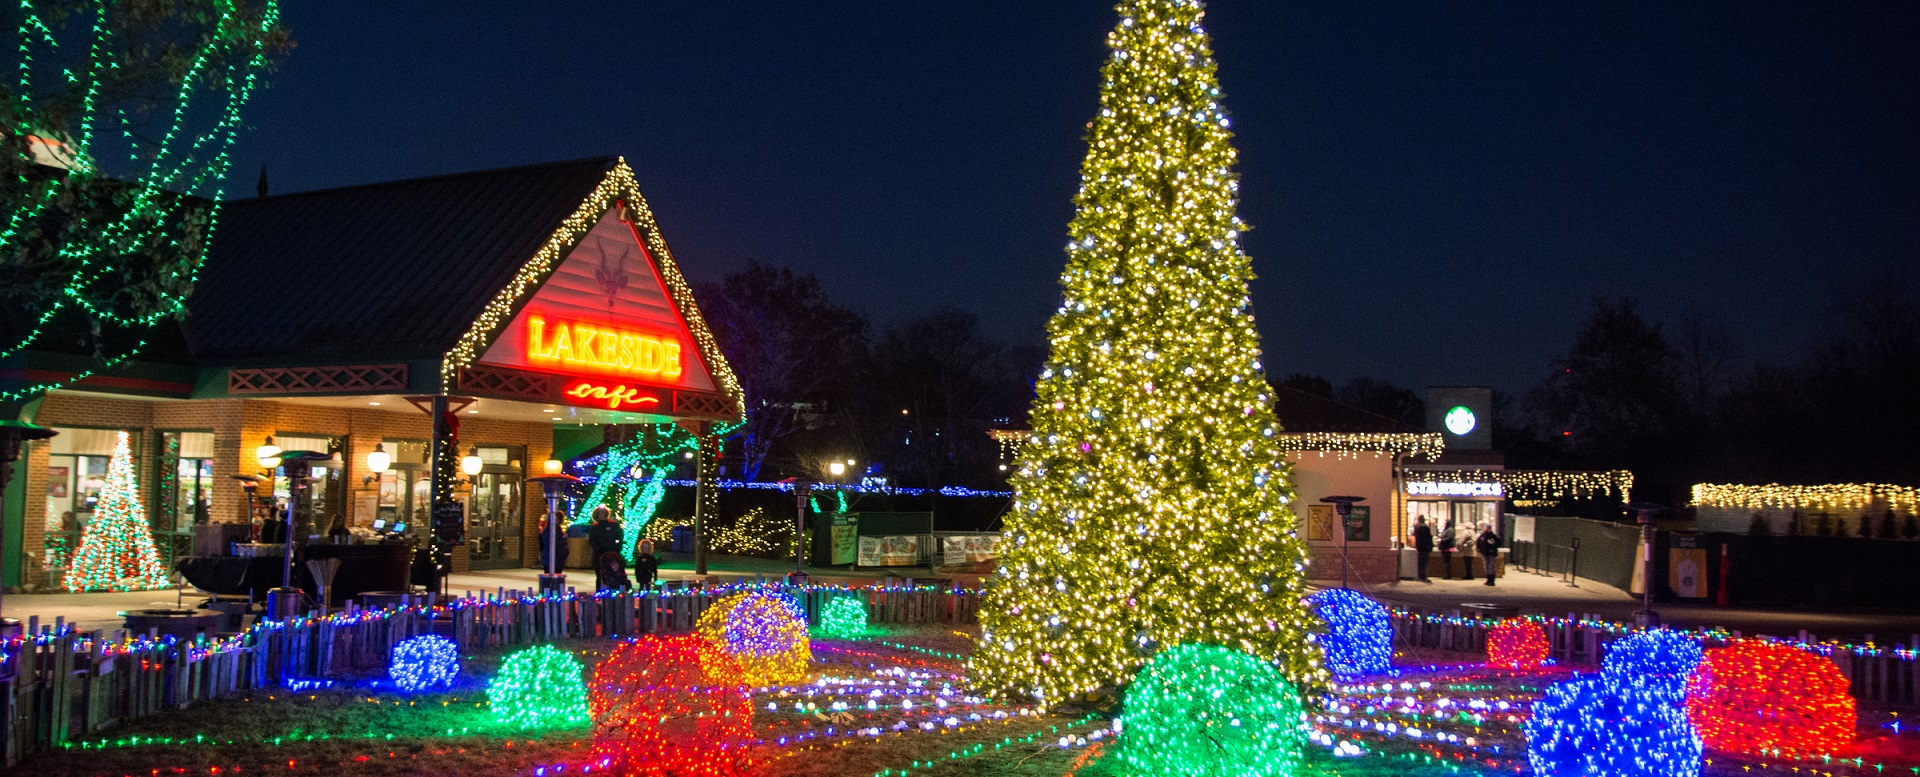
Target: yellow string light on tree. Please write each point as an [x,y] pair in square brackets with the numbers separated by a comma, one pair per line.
[1152,503]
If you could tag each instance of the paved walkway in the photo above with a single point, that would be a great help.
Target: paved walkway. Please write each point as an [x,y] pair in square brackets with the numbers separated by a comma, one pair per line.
[1533,593]
[1528,592]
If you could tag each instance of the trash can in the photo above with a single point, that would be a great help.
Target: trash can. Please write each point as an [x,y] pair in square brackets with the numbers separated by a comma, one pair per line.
[682,539]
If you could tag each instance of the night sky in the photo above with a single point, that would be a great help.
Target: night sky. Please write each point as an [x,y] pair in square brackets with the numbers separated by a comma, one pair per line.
[1436,189]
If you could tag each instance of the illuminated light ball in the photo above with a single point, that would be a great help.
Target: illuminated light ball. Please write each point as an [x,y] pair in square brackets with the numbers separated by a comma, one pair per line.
[1359,638]
[670,706]
[424,662]
[1591,727]
[765,632]
[1658,660]
[539,687]
[1517,643]
[1203,710]
[1755,697]
[843,617]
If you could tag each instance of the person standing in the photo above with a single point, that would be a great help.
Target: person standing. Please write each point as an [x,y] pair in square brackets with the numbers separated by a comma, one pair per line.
[609,572]
[645,565]
[1488,546]
[1422,547]
[562,551]
[1447,543]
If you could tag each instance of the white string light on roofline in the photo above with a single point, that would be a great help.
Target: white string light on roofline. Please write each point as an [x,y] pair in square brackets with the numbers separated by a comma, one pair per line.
[1844,496]
[1423,445]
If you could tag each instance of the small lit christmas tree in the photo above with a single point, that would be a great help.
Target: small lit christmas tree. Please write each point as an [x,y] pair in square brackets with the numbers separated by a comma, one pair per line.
[116,551]
[1152,502]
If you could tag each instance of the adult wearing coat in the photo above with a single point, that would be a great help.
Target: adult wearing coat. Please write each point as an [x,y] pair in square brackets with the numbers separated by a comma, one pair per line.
[605,537]
[1422,547]
[1446,545]
[1488,546]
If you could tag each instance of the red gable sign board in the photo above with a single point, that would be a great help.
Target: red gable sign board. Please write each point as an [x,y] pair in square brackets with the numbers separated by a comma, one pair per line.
[605,316]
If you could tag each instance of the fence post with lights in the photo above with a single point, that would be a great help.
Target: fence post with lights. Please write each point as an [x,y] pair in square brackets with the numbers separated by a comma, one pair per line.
[554,483]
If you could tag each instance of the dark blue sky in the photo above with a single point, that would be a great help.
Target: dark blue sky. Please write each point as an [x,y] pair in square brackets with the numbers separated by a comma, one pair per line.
[1436,189]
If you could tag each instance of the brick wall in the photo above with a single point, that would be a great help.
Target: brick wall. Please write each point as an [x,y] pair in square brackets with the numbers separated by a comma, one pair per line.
[240,426]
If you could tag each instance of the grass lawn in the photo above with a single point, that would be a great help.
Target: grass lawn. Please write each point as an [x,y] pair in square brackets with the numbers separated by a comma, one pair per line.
[919,721]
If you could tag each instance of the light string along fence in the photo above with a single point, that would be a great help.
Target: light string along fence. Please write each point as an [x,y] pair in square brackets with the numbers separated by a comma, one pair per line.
[1884,673]
[70,683]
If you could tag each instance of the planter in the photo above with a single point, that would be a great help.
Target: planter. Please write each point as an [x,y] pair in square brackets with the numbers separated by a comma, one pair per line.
[180,624]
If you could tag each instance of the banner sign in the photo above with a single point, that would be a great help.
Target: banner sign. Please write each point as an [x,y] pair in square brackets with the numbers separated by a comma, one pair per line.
[970,548]
[893,551]
[1687,566]
[844,536]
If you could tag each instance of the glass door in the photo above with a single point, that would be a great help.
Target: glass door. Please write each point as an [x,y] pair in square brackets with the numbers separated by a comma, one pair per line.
[494,512]
[184,491]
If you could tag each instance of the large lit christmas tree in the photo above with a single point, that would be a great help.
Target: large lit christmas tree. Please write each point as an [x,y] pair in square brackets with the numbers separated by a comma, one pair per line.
[116,551]
[1152,503]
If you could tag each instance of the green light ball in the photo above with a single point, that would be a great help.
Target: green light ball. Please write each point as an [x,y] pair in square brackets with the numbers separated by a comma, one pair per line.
[540,687]
[844,616]
[1208,711]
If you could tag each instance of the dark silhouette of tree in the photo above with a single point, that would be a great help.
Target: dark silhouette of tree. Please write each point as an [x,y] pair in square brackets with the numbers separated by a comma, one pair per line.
[793,349]
[1615,400]
[933,387]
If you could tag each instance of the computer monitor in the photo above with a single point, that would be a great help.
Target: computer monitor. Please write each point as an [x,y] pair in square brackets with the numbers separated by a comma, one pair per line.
[379,525]
[399,527]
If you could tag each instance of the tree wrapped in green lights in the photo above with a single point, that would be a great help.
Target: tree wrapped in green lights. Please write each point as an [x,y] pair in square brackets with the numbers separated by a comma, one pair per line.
[114,139]
[116,550]
[1152,501]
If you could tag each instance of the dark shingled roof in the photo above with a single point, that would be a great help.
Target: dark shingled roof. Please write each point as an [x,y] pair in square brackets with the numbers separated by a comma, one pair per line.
[1301,412]
[393,270]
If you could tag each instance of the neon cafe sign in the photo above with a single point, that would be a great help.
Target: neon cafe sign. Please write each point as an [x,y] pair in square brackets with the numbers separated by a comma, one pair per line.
[577,346]
[1441,488]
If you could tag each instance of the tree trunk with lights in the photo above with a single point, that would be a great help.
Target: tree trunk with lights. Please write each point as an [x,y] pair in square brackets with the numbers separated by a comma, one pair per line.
[1152,504]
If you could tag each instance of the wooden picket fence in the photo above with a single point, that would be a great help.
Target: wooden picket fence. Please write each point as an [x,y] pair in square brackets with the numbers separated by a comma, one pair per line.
[70,684]
[1879,674]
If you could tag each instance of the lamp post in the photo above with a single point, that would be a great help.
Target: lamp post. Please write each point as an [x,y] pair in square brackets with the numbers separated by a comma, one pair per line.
[554,483]
[12,433]
[1344,506]
[1646,618]
[298,465]
[802,490]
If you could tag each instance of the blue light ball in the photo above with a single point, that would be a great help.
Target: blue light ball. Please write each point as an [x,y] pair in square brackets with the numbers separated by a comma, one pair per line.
[1589,727]
[423,663]
[1359,638]
[1659,660]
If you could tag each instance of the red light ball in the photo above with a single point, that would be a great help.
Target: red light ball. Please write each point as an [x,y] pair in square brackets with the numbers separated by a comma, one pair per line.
[1755,697]
[1517,643]
[670,706]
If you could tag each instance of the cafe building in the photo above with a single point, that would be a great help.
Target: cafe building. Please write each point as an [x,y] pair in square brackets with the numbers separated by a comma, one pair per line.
[438,339]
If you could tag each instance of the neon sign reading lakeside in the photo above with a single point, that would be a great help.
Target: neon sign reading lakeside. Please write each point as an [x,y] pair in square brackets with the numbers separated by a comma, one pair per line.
[1433,488]
[578,346]
[614,395]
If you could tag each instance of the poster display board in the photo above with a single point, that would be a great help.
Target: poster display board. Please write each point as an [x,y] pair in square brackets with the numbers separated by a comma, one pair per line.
[1687,566]
[844,538]
[970,548]
[890,551]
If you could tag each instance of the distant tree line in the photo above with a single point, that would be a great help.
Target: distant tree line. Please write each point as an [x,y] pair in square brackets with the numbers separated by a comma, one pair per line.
[914,400]
[1680,407]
